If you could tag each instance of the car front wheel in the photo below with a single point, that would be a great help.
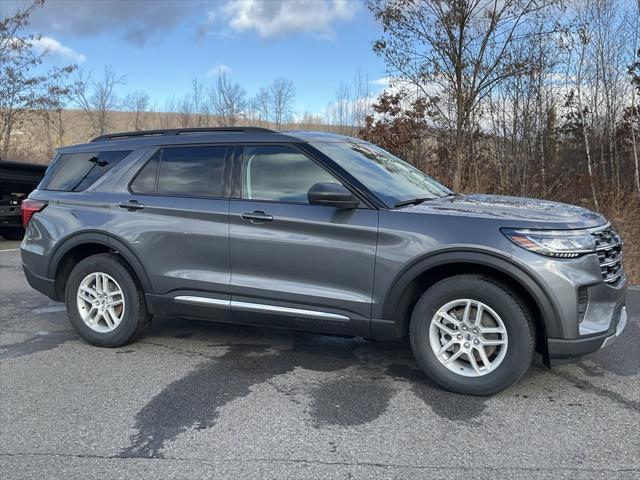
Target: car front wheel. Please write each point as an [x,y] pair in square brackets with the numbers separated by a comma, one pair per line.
[471,334]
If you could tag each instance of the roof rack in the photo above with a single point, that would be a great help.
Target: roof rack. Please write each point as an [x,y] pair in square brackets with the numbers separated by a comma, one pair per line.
[179,131]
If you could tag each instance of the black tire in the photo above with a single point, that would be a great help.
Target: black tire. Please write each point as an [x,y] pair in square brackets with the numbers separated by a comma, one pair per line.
[12,233]
[136,316]
[515,316]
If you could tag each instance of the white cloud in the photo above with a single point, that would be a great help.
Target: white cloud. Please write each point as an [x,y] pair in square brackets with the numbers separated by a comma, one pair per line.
[51,46]
[381,82]
[219,69]
[278,18]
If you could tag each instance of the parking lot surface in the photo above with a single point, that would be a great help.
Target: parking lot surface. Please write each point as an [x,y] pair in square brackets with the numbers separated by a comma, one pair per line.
[202,400]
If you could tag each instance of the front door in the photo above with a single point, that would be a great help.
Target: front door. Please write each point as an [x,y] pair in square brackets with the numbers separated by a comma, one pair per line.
[295,264]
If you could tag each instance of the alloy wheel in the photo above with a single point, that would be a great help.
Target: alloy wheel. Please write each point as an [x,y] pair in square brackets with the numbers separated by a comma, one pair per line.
[100,302]
[468,337]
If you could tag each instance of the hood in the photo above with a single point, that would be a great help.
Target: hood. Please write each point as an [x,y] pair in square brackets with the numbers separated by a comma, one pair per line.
[516,211]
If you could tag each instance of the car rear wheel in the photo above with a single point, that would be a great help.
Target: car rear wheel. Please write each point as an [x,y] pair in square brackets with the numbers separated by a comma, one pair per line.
[472,335]
[105,305]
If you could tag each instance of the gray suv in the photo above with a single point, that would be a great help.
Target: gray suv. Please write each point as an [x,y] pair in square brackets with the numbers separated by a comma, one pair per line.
[319,232]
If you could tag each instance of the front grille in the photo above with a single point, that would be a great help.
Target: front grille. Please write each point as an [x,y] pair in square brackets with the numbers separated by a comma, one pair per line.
[609,250]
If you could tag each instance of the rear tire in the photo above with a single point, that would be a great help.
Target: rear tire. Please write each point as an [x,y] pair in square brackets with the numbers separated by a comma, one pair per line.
[108,319]
[466,354]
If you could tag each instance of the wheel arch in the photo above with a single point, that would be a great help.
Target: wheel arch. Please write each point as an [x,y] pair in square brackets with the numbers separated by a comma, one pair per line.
[418,276]
[82,245]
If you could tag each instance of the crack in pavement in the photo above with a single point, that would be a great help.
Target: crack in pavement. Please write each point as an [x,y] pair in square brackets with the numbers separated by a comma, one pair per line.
[456,467]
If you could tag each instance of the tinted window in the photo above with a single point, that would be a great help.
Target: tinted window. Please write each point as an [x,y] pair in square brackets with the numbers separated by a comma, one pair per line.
[196,171]
[145,181]
[280,174]
[73,172]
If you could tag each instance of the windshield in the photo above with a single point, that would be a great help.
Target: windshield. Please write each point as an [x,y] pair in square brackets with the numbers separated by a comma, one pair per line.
[391,179]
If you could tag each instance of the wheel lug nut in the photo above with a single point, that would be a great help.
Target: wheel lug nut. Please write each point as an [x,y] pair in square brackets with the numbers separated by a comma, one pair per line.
[476,342]
[459,336]
[466,345]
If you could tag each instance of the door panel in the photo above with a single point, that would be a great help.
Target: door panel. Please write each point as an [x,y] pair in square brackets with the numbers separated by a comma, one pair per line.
[182,242]
[307,257]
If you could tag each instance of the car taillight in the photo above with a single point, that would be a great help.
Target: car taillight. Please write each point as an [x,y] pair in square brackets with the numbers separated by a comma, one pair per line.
[28,208]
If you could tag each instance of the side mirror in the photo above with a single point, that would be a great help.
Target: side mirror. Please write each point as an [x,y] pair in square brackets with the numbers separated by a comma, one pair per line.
[332,195]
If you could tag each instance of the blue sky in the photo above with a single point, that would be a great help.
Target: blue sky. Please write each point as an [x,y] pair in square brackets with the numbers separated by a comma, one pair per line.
[161,45]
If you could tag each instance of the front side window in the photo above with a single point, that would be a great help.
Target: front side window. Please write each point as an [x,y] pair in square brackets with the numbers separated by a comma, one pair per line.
[280,174]
[74,172]
[390,178]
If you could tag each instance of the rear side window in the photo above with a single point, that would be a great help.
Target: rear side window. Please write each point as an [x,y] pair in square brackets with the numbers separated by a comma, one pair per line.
[186,171]
[74,172]
[145,181]
[194,171]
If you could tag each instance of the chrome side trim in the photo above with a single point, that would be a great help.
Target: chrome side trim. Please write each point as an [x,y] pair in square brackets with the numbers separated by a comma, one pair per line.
[258,307]
[213,302]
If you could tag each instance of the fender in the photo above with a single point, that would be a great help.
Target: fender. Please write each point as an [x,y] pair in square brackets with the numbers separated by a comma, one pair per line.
[101,238]
[486,258]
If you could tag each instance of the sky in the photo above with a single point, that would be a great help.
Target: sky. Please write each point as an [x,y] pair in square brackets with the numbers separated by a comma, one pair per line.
[160,45]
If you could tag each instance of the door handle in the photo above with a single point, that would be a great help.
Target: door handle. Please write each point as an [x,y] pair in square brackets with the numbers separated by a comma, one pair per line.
[131,205]
[256,217]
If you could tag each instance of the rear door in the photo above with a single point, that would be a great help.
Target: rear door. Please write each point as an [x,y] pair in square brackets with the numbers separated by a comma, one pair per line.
[174,216]
[295,264]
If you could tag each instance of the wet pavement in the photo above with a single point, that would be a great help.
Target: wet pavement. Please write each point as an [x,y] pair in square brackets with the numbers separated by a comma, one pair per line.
[202,400]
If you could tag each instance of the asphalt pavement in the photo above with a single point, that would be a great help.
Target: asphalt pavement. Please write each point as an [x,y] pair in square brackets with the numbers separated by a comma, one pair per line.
[202,400]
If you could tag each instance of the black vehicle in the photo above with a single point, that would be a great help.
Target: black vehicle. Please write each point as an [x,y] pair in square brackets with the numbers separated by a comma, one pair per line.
[17,180]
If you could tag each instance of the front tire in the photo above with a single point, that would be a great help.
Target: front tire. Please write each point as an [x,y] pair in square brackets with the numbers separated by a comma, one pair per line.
[472,335]
[105,305]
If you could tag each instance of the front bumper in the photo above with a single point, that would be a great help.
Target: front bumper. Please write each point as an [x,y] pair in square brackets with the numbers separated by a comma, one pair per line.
[564,348]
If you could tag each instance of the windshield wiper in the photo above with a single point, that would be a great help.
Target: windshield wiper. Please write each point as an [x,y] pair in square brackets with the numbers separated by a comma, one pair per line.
[419,200]
[412,201]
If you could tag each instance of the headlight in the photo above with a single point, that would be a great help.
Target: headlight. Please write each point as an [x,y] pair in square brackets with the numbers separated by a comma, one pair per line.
[553,243]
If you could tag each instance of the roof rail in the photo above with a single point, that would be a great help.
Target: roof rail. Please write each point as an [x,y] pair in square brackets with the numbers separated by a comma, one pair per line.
[179,131]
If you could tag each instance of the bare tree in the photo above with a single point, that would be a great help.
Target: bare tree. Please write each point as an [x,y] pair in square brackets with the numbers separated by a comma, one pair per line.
[227,100]
[351,105]
[339,111]
[274,104]
[282,95]
[456,52]
[632,115]
[97,99]
[23,88]
[137,105]
[261,104]
[185,112]
[361,101]
[198,103]
[309,121]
